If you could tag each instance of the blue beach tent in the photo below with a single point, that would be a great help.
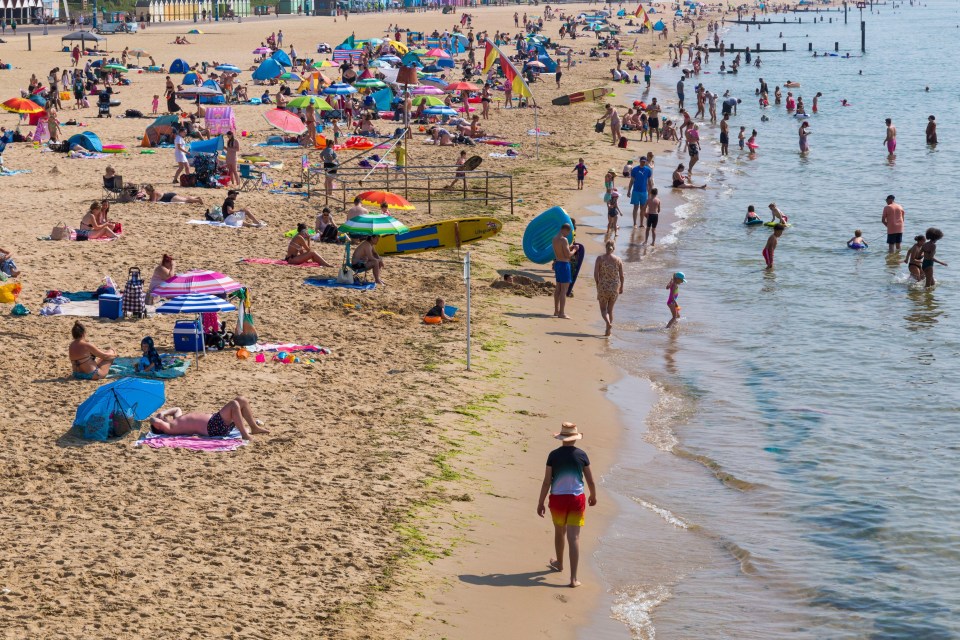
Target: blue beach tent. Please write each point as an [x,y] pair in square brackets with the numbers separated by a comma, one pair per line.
[213,145]
[268,69]
[190,79]
[179,66]
[88,140]
[281,56]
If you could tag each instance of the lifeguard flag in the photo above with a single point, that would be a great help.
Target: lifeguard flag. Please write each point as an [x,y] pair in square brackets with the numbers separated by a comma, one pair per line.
[517,83]
[644,19]
[490,55]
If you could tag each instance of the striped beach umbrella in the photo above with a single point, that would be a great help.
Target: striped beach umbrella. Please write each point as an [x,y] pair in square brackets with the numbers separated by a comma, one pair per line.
[426,90]
[394,201]
[197,282]
[373,224]
[369,83]
[21,105]
[228,67]
[196,303]
[339,89]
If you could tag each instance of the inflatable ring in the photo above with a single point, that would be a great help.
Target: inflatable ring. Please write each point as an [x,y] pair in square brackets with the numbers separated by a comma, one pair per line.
[856,245]
[753,222]
[432,320]
[114,148]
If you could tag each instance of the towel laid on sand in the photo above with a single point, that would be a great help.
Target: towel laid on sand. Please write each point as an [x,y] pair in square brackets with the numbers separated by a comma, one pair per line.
[287,346]
[280,263]
[333,284]
[174,367]
[230,442]
[13,172]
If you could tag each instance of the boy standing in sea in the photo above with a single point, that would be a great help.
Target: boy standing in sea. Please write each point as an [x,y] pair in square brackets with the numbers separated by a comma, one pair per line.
[771,245]
[567,468]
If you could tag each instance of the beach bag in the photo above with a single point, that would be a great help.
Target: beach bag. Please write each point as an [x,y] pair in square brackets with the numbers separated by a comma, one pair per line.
[599,126]
[215,214]
[133,296]
[133,113]
[623,142]
[61,232]
[188,180]
[346,275]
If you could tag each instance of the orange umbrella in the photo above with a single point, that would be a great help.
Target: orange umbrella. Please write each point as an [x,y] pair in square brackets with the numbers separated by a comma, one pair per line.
[21,105]
[461,86]
[393,201]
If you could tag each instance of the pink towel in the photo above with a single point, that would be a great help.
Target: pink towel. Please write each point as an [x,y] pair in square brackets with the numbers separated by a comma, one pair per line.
[195,443]
[282,263]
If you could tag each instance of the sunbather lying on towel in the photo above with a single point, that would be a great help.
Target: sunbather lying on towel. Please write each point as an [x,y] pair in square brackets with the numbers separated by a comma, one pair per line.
[155,196]
[175,422]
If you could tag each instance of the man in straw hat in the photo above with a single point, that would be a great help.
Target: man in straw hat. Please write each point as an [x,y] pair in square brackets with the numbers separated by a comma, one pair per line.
[567,467]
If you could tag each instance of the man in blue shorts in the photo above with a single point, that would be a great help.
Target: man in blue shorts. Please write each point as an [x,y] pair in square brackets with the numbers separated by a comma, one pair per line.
[641,179]
[563,252]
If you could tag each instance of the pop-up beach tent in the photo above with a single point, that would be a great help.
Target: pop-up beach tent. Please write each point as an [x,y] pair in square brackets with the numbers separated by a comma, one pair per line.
[179,66]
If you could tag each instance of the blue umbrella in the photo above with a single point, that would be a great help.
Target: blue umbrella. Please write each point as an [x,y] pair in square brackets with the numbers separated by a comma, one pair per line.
[440,111]
[196,303]
[339,89]
[228,67]
[117,403]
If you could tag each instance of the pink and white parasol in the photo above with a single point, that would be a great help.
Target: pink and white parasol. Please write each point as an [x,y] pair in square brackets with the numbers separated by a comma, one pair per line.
[209,282]
[426,90]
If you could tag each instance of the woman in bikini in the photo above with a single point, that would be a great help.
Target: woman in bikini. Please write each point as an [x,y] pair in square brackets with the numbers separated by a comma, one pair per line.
[88,362]
[90,229]
[164,271]
[299,251]
[914,259]
[681,181]
[217,425]
[169,197]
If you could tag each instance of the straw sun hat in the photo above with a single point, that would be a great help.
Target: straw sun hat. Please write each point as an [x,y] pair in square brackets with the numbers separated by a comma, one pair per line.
[568,432]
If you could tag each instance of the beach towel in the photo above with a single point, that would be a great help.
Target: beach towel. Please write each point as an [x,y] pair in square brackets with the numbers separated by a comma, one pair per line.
[333,284]
[287,346]
[12,172]
[211,223]
[504,155]
[279,263]
[230,442]
[281,192]
[85,309]
[289,145]
[173,367]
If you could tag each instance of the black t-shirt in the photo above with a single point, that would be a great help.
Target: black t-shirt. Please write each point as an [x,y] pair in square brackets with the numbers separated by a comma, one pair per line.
[567,464]
[436,312]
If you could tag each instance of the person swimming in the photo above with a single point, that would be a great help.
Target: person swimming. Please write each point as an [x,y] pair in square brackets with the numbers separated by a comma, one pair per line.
[752,217]
[857,241]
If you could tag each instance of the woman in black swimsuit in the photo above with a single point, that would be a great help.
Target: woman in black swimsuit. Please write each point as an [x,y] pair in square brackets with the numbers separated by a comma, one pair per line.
[91,230]
[155,196]
[682,182]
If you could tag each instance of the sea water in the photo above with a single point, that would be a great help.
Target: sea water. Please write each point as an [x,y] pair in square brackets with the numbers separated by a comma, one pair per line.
[798,474]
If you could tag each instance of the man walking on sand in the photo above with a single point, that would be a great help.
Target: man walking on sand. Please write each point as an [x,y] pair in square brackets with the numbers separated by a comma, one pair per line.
[567,468]
[563,272]
[893,215]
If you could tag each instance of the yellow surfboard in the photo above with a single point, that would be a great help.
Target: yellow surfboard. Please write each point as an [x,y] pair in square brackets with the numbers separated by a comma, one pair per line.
[446,234]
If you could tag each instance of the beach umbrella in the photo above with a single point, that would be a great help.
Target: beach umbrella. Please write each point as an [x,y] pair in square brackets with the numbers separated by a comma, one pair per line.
[339,89]
[436,52]
[138,53]
[196,92]
[116,67]
[228,67]
[379,64]
[389,59]
[373,224]
[259,51]
[537,64]
[83,36]
[196,303]
[394,201]
[197,282]
[302,102]
[440,111]
[399,46]
[323,64]
[167,120]
[195,32]
[289,75]
[426,90]
[430,68]
[461,86]
[21,105]
[435,81]
[370,83]
[431,101]
[115,405]
[285,121]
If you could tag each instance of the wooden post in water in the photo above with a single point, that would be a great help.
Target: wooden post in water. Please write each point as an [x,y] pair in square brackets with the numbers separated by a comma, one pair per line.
[809,46]
[844,13]
[836,46]
[784,46]
[863,37]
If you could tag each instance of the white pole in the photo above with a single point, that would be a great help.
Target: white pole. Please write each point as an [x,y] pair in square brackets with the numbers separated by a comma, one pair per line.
[466,277]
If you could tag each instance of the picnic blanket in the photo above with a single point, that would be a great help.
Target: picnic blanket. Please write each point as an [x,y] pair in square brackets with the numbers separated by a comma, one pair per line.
[287,346]
[83,308]
[13,172]
[230,442]
[333,284]
[173,367]
[280,263]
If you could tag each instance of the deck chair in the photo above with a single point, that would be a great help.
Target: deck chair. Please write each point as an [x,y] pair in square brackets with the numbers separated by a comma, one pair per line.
[359,275]
[112,188]
[250,178]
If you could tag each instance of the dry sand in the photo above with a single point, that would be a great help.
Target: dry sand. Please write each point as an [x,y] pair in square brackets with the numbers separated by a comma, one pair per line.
[320,529]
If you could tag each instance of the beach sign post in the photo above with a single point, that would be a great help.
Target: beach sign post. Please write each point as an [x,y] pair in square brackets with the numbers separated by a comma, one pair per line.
[466,277]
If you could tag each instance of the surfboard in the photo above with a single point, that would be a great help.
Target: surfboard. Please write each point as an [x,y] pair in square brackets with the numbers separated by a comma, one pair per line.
[446,234]
[538,236]
[578,256]
[581,96]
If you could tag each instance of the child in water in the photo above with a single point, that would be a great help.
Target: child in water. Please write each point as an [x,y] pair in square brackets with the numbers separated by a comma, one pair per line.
[751,217]
[929,251]
[771,245]
[778,216]
[613,213]
[674,287]
[581,170]
[151,358]
[742,137]
[914,259]
[857,241]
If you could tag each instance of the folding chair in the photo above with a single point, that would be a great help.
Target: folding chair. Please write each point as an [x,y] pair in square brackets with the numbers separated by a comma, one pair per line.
[250,178]
[112,188]
[359,275]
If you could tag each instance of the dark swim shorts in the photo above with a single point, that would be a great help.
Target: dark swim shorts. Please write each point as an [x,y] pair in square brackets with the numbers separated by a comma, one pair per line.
[563,273]
[216,428]
[894,238]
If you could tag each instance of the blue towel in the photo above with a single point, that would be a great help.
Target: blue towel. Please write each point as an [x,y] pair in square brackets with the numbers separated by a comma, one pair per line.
[78,296]
[282,145]
[174,367]
[333,284]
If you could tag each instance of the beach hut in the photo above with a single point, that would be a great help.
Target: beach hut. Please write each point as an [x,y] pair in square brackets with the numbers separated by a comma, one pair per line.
[88,140]
[179,66]
[267,70]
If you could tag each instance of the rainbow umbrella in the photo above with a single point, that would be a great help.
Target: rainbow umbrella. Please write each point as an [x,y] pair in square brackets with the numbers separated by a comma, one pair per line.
[21,105]
[285,121]
[204,282]
[291,76]
[302,102]
[394,201]
[373,224]
[323,64]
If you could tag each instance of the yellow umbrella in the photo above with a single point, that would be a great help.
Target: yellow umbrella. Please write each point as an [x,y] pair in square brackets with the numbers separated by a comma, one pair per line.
[399,46]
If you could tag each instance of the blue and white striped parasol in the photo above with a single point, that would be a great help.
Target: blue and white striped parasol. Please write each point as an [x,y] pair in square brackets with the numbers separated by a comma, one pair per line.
[228,67]
[339,89]
[196,303]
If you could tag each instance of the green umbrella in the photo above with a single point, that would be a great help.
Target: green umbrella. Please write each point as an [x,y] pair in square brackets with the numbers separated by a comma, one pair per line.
[431,101]
[369,83]
[373,224]
[116,67]
[301,102]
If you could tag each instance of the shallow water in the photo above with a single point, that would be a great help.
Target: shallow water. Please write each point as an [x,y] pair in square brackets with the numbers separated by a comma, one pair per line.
[798,475]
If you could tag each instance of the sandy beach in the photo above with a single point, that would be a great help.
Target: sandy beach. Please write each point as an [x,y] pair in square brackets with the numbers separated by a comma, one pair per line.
[395,495]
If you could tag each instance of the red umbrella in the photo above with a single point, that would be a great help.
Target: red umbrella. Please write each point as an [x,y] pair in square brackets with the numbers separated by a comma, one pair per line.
[461,86]
[285,121]
[436,52]
[393,200]
[21,105]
